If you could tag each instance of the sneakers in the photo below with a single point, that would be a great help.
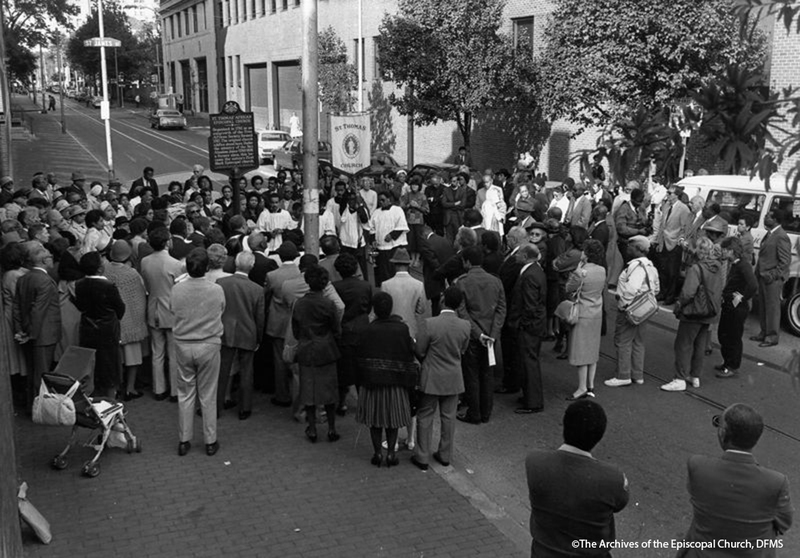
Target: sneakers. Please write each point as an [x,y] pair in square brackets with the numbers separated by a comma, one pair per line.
[616,382]
[694,381]
[639,382]
[727,373]
[676,385]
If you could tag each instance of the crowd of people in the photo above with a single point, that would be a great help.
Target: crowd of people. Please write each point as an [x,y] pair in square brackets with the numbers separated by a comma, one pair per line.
[471,276]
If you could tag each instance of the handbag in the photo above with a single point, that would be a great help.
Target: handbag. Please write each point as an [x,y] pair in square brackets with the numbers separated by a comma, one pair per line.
[700,307]
[644,305]
[54,409]
[568,310]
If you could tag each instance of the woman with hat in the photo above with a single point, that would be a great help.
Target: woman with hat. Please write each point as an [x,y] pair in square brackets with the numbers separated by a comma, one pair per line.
[76,215]
[101,308]
[133,325]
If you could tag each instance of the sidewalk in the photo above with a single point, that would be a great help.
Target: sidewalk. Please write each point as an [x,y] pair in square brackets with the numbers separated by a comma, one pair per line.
[49,150]
[268,492]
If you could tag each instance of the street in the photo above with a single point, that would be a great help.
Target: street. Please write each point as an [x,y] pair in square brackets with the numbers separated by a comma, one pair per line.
[271,493]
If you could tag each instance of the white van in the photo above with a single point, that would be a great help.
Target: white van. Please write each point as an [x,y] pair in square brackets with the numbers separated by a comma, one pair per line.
[739,196]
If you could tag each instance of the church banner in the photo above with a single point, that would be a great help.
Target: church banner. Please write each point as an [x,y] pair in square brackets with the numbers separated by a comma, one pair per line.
[350,141]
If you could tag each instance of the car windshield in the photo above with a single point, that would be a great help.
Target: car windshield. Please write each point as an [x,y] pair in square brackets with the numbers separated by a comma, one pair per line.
[168,113]
[273,137]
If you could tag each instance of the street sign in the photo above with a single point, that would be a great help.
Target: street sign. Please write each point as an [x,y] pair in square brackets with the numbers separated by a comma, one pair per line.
[102,42]
[233,144]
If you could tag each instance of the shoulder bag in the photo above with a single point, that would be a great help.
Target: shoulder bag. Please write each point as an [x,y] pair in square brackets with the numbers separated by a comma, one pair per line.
[644,305]
[700,307]
[54,409]
[568,310]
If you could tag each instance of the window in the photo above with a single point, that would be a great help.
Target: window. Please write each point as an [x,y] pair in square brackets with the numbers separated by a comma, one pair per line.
[238,71]
[234,11]
[273,6]
[355,57]
[787,213]
[523,35]
[194,18]
[296,2]
[186,19]
[230,71]
[172,28]
[285,4]
[263,7]
[178,19]
[737,205]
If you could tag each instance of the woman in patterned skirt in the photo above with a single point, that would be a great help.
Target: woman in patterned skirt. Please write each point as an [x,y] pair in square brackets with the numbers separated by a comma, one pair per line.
[387,370]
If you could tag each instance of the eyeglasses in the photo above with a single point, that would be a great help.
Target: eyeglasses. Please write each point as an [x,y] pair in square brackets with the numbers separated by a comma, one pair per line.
[716,421]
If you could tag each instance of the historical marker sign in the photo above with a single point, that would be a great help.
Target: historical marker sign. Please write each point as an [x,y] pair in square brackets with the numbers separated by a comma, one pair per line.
[233,144]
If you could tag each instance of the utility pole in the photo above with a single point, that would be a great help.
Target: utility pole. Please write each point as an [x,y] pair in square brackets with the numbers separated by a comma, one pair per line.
[41,77]
[6,160]
[360,58]
[410,133]
[105,108]
[59,43]
[310,63]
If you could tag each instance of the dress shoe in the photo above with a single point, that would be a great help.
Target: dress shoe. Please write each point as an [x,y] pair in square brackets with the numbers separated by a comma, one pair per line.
[279,403]
[160,396]
[376,459]
[392,460]
[211,449]
[311,435]
[173,398]
[768,344]
[727,373]
[465,418]
[333,436]
[758,338]
[528,410]
[183,448]
[244,415]
[229,404]
[438,457]
[420,465]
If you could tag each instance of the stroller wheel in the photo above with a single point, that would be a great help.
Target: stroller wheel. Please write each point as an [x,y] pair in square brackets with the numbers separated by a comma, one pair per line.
[59,462]
[91,469]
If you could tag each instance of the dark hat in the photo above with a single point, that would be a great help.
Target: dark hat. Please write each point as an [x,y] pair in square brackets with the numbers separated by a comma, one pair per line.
[122,220]
[716,224]
[401,257]
[77,175]
[5,181]
[288,251]
[535,225]
[73,211]
[120,251]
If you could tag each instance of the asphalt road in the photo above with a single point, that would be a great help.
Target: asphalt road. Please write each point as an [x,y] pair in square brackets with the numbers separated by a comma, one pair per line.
[650,435]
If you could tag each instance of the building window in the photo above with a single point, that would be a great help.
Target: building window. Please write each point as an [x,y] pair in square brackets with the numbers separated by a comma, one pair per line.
[230,71]
[238,71]
[178,19]
[234,12]
[263,8]
[273,6]
[194,18]
[523,35]
[296,2]
[172,28]
[186,19]
[376,67]
[355,58]
[285,4]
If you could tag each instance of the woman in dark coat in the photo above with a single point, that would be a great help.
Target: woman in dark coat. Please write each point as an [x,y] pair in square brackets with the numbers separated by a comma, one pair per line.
[315,325]
[357,297]
[387,370]
[101,309]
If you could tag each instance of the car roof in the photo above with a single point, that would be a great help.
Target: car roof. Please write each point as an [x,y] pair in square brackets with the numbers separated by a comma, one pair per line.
[728,181]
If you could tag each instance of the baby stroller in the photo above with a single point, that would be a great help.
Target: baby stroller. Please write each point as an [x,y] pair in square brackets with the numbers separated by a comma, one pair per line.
[105,418]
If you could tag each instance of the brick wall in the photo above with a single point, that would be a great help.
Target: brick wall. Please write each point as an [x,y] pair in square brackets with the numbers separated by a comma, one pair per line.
[785,70]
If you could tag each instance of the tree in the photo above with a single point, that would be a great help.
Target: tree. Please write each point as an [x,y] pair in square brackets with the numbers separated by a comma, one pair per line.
[605,57]
[21,61]
[453,63]
[337,78]
[29,20]
[133,58]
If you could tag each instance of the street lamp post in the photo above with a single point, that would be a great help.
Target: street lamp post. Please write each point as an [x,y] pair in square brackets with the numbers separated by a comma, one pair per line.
[105,109]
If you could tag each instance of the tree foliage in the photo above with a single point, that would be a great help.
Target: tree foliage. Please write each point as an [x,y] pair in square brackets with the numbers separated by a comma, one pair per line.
[452,62]
[21,62]
[337,78]
[606,57]
[135,57]
[29,21]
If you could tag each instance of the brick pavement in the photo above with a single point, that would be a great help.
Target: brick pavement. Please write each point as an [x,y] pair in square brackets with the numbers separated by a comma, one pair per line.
[47,149]
[268,492]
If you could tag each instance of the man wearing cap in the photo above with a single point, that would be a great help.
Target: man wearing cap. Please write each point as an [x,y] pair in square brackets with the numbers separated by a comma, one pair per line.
[734,499]
[78,185]
[278,318]
[408,293]
[388,228]
[638,277]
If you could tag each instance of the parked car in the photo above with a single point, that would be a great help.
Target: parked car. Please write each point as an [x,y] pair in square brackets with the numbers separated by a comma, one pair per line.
[379,162]
[167,118]
[269,141]
[290,155]
[740,197]
[97,101]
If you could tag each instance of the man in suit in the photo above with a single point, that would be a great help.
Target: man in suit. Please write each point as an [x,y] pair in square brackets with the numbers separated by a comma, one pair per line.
[198,238]
[441,343]
[675,221]
[734,499]
[278,316]
[474,220]
[180,247]
[528,316]
[582,210]
[243,322]
[408,293]
[159,271]
[573,495]
[509,273]
[453,200]
[257,243]
[144,181]
[434,250]
[462,159]
[484,307]
[37,317]
[772,270]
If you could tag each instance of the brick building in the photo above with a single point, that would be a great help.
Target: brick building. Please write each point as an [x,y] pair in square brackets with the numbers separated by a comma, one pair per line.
[249,51]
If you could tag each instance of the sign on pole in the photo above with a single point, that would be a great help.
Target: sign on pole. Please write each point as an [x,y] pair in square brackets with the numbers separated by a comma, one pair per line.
[233,145]
[350,141]
[107,42]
